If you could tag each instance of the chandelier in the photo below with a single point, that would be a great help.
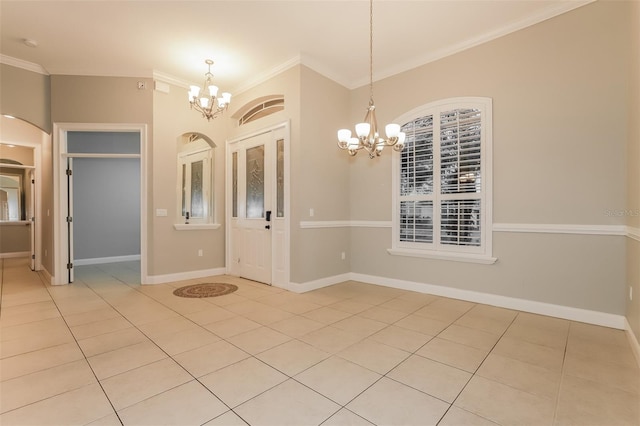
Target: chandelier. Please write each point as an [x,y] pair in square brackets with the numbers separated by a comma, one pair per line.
[210,106]
[367,131]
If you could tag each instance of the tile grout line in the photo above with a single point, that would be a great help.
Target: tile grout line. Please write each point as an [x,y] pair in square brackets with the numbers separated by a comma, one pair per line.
[82,351]
[478,368]
[562,371]
[160,348]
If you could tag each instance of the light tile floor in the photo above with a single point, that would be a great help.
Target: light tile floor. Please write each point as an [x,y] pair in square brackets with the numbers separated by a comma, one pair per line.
[108,351]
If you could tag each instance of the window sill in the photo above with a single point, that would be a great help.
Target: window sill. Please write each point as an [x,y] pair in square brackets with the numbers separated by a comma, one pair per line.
[456,257]
[195,226]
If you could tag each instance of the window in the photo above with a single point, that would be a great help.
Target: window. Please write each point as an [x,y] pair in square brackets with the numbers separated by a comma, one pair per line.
[259,108]
[442,182]
[195,183]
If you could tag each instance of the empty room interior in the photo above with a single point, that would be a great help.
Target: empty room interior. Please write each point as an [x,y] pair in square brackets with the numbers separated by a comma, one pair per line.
[311,212]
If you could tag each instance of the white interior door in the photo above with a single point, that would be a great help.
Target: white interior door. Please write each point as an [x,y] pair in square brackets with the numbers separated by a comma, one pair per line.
[252,212]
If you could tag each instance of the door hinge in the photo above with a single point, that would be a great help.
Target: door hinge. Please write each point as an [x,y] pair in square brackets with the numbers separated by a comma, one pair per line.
[69,265]
[69,219]
[33,218]
[69,172]
[33,181]
[33,256]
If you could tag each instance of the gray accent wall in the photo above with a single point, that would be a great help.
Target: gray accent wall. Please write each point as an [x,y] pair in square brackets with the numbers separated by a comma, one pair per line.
[106,207]
[106,195]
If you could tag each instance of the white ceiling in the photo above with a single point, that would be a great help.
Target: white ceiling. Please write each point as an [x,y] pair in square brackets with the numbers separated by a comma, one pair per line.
[251,40]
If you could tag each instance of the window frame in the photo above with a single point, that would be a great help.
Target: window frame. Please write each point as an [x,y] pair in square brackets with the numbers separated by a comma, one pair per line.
[185,159]
[435,249]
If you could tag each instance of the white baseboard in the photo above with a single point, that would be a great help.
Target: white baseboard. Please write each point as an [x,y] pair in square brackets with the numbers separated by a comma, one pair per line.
[635,345]
[103,260]
[15,255]
[46,276]
[316,284]
[558,311]
[181,276]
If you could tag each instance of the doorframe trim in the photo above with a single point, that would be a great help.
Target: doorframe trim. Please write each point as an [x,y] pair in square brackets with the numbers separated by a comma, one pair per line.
[35,246]
[286,126]
[60,155]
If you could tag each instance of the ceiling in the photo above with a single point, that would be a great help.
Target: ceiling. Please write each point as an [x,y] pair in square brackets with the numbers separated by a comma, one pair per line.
[252,40]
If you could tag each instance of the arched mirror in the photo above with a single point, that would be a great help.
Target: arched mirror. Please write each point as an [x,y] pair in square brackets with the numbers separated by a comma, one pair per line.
[195,179]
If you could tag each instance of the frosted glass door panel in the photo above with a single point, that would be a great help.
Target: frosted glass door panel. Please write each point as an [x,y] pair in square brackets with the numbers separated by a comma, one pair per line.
[255,182]
[197,201]
[234,183]
[280,178]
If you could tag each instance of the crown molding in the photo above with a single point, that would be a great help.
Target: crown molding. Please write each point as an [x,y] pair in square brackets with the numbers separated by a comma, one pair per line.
[25,65]
[512,27]
[267,75]
[170,79]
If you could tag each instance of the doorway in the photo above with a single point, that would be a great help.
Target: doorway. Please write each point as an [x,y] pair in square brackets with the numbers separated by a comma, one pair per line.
[108,157]
[257,188]
[21,191]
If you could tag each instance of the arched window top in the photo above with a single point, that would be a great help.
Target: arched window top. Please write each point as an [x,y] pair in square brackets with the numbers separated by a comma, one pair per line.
[194,141]
[259,107]
[9,161]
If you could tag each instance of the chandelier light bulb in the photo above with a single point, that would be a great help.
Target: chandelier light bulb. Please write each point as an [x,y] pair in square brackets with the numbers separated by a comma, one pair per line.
[392,130]
[344,135]
[363,129]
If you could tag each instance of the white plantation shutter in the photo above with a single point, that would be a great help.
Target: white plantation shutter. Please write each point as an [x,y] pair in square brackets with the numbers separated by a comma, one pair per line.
[416,182]
[442,193]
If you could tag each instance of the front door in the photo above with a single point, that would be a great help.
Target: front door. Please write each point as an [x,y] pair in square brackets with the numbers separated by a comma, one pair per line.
[252,208]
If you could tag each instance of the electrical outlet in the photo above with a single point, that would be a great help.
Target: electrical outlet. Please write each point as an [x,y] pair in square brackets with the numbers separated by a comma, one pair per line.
[343,255]
[630,293]
[311,212]
[142,85]
[200,252]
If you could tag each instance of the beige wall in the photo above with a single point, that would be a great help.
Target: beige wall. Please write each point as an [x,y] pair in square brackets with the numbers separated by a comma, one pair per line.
[322,181]
[21,154]
[14,239]
[559,93]
[112,100]
[633,174]
[84,99]
[26,95]
[173,251]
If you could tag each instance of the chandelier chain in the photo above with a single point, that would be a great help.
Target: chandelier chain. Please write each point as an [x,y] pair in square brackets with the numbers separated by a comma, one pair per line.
[367,136]
[370,52]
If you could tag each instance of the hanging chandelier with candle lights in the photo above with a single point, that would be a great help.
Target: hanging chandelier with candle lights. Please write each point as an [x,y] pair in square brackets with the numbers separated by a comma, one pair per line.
[367,136]
[205,99]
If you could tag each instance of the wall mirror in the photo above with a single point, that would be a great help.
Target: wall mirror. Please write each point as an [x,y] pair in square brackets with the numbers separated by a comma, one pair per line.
[195,178]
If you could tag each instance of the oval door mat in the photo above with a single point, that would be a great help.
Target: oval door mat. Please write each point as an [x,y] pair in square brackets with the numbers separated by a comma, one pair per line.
[205,290]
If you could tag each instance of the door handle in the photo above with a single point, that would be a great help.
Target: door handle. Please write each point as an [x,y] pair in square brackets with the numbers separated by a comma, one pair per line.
[268,218]
[267,227]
